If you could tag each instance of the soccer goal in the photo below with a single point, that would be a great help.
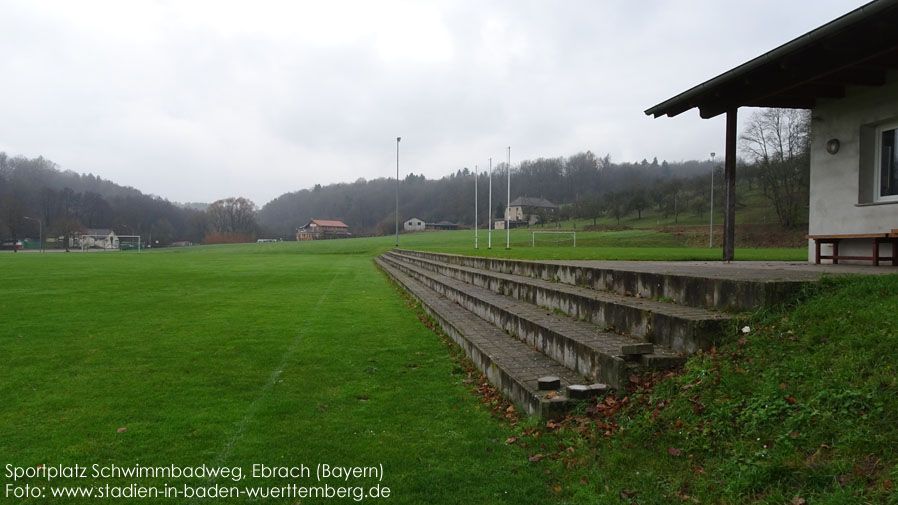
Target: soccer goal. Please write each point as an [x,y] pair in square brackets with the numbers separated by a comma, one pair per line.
[553,238]
[129,243]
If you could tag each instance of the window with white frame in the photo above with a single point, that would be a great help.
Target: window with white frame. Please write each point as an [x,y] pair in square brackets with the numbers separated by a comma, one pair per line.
[887,163]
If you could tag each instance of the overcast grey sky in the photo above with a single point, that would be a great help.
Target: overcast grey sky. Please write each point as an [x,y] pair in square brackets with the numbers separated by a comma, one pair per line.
[201,100]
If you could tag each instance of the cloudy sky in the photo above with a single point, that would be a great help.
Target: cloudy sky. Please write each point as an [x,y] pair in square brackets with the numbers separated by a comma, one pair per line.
[196,100]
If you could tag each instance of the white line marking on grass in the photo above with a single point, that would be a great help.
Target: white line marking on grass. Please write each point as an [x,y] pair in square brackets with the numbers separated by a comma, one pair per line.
[275,375]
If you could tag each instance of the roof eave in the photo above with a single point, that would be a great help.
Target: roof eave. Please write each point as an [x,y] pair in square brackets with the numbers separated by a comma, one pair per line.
[690,98]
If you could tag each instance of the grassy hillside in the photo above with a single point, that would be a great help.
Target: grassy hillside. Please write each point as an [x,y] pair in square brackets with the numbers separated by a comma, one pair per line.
[756,223]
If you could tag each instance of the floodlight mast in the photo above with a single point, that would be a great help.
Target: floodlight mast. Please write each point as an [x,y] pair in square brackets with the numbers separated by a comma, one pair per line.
[508,204]
[397,190]
[489,211]
[476,176]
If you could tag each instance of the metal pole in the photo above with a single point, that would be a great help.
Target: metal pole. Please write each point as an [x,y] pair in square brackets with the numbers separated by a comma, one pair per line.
[476,176]
[489,225]
[40,230]
[711,226]
[397,190]
[508,204]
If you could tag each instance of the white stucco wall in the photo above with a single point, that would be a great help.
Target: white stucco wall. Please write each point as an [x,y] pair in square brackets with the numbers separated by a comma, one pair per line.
[413,224]
[841,185]
[516,214]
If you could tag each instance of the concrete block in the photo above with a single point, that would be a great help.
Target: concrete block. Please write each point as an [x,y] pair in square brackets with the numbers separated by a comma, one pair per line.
[598,389]
[578,391]
[549,383]
[635,349]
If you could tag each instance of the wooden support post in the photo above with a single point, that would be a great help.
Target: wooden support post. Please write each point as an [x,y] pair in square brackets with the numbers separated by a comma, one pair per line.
[729,221]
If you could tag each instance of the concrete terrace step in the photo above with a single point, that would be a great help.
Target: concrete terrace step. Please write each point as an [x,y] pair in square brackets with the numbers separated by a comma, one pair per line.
[697,286]
[580,346]
[678,327]
[511,365]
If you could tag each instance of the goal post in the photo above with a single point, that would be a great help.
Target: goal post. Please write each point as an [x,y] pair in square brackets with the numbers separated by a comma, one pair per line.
[573,235]
[130,243]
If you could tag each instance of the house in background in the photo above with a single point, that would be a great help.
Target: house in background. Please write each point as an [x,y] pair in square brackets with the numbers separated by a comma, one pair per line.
[846,73]
[442,225]
[413,224]
[526,210]
[101,238]
[320,229]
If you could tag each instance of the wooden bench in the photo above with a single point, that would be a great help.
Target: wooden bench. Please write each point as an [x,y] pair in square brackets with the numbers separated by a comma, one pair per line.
[877,238]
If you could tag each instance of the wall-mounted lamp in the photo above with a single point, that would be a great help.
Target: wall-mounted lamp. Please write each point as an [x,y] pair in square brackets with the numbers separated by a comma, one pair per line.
[832,146]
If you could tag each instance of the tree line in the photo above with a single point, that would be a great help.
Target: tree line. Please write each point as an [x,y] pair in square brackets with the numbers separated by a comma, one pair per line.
[67,204]
[586,186]
[776,159]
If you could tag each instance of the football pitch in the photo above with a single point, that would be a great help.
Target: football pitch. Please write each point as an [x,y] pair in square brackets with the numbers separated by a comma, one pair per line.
[131,373]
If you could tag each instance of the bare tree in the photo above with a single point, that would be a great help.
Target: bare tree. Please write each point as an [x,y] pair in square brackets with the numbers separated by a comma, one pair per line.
[615,204]
[233,215]
[68,228]
[777,142]
[637,201]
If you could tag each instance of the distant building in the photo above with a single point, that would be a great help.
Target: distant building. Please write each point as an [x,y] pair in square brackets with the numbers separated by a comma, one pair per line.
[442,225]
[102,238]
[526,210]
[320,229]
[413,224]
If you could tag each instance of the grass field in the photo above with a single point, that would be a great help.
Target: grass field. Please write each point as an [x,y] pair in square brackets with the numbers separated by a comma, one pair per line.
[235,355]
[292,354]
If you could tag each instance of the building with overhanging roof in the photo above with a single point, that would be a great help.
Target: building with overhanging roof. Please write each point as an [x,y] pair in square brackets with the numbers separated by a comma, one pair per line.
[320,229]
[846,73]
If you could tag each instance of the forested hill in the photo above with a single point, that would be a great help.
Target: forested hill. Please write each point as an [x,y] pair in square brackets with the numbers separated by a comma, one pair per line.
[368,206]
[67,202]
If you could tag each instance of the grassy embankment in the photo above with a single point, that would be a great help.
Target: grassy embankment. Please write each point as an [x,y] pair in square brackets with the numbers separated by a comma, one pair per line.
[800,409]
[757,224]
[303,354]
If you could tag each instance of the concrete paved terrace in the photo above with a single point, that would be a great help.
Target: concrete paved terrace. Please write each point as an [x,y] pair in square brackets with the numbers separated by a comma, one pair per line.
[548,332]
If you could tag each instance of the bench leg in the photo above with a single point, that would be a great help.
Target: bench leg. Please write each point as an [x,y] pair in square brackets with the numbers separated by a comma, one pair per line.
[817,251]
[835,252]
[876,252]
